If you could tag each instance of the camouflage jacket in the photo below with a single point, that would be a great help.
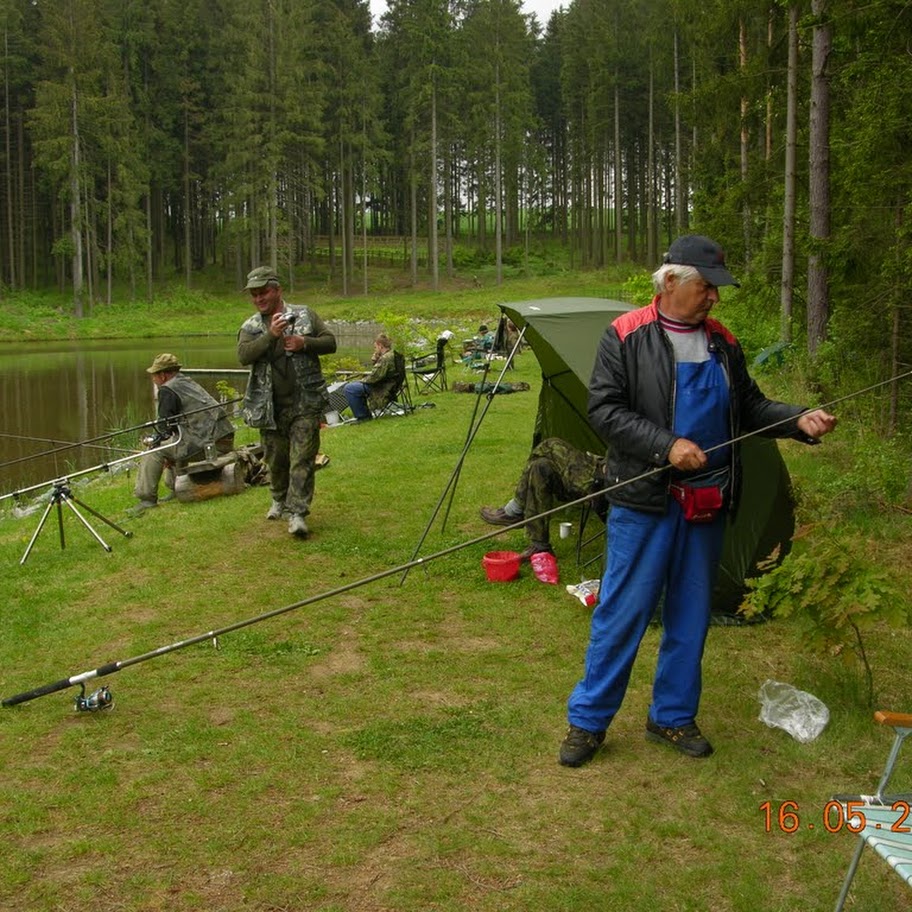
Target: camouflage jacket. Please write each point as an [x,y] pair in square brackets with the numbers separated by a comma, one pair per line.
[264,354]
[381,379]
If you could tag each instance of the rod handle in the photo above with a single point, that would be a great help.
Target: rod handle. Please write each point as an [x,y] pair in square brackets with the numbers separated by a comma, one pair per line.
[38,692]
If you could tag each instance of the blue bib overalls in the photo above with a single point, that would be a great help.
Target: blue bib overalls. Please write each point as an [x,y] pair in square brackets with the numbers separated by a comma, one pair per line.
[652,553]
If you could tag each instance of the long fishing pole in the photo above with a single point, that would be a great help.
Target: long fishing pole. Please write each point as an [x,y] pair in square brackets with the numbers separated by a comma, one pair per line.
[137,427]
[113,667]
[711,449]
[57,443]
[101,467]
[175,421]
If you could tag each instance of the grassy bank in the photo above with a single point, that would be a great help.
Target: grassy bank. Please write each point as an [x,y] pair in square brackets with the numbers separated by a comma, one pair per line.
[33,317]
[393,746]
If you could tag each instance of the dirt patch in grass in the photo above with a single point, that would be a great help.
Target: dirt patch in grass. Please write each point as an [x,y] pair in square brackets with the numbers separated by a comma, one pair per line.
[344,658]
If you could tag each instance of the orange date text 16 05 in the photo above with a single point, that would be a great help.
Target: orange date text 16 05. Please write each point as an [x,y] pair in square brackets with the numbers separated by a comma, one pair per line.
[835,816]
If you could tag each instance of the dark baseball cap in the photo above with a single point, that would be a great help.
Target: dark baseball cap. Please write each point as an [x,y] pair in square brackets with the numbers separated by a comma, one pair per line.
[705,255]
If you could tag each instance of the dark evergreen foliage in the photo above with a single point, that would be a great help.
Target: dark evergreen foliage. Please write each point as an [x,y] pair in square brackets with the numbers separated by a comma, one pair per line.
[146,140]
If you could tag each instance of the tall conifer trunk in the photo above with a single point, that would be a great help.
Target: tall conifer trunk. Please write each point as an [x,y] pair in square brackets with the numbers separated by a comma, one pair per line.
[788,211]
[818,306]
[76,208]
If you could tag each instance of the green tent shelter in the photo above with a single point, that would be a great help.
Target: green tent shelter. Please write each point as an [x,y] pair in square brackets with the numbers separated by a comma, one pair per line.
[564,334]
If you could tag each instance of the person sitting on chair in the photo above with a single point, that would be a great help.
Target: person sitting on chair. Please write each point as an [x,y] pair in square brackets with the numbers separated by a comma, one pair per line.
[479,345]
[555,473]
[372,391]
[203,422]
[484,340]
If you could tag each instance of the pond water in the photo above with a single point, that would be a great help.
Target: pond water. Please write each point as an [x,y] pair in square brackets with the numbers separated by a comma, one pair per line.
[57,393]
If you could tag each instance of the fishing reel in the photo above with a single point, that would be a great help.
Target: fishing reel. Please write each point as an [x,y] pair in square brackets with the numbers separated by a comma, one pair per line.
[95,701]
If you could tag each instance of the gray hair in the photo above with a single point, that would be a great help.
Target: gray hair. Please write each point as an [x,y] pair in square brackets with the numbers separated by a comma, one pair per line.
[683,274]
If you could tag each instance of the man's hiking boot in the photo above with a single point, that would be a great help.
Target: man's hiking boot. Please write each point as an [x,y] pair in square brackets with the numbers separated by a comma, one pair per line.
[579,746]
[297,526]
[277,510]
[688,739]
[497,516]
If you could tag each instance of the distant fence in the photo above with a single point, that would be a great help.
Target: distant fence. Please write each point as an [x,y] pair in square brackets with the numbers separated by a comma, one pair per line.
[379,249]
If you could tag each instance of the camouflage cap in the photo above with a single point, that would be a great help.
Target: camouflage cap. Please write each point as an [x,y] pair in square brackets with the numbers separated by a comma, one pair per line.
[261,276]
[164,362]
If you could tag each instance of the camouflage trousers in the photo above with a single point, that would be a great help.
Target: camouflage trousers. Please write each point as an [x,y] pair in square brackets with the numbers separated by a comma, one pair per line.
[555,473]
[290,451]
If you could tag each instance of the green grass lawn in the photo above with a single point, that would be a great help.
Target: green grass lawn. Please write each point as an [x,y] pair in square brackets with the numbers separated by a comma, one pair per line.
[392,747]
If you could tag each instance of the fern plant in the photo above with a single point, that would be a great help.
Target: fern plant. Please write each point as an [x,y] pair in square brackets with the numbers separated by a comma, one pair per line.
[834,596]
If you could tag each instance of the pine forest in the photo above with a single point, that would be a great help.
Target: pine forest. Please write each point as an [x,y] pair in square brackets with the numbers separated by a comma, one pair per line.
[145,140]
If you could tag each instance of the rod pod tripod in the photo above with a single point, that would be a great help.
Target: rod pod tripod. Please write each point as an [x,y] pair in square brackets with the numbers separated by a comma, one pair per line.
[60,495]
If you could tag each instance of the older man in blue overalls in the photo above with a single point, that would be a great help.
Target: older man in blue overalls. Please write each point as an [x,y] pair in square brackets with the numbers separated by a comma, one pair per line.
[669,391]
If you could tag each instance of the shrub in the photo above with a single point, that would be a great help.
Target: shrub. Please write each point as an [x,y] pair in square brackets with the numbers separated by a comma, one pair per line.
[833,594]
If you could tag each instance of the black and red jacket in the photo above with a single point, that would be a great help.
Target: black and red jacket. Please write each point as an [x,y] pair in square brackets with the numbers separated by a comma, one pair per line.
[632,401]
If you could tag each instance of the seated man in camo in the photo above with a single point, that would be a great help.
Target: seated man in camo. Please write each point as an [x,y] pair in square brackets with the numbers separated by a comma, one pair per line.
[190,415]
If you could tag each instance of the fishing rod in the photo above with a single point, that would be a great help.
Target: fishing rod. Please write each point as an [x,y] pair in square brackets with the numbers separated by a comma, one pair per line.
[825,405]
[65,443]
[91,440]
[101,699]
[711,449]
[101,467]
[173,422]
[113,667]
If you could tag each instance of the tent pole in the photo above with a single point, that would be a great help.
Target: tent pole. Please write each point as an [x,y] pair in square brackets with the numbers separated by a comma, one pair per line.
[473,430]
[469,435]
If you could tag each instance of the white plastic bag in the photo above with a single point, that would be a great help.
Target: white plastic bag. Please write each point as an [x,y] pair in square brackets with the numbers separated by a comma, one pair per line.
[799,713]
[587,592]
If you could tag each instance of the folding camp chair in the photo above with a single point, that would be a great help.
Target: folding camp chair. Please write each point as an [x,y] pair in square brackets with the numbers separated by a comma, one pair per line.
[583,540]
[429,370]
[399,397]
[883,822]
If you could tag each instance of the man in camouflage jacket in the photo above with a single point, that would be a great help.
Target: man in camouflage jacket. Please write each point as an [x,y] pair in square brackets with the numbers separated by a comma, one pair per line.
[286,394]
[372,391]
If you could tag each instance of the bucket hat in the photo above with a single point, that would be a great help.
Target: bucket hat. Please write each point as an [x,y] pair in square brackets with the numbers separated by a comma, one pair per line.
[164,362]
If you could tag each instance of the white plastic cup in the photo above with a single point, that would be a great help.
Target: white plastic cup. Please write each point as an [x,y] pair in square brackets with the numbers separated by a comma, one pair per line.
[333,418]
[565,529]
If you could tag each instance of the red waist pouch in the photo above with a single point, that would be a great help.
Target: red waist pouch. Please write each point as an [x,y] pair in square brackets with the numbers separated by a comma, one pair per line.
[700,505]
